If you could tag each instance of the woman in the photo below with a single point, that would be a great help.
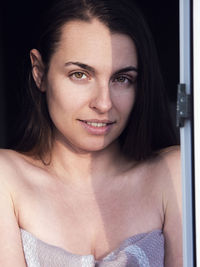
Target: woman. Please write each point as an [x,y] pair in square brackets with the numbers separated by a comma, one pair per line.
[92,182]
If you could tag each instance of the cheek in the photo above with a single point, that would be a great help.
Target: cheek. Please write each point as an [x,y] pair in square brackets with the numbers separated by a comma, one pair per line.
[125,102]
[62,99]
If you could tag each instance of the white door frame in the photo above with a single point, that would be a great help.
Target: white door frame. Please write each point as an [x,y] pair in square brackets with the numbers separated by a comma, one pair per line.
[186,137]
[196,102]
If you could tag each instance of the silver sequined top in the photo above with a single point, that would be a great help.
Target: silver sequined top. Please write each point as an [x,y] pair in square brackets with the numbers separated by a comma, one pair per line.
[142,250]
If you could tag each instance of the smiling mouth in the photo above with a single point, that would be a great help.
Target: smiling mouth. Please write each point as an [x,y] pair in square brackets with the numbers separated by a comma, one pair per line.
[97,127]
[95,123]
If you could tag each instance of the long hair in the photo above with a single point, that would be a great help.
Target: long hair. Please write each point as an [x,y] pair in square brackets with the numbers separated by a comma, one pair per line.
[149,127]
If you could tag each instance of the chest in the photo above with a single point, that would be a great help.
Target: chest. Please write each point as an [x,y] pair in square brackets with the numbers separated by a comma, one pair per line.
[89,223]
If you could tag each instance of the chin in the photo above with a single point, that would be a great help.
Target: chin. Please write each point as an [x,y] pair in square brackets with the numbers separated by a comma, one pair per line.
[87,144]
[94,146]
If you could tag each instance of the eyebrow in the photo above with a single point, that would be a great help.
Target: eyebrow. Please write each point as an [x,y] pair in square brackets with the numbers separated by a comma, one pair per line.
[91,69]
[81,65]
[127,69]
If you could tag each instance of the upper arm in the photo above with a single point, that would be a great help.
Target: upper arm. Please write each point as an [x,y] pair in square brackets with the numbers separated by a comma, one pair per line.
[172,204]
[11,253]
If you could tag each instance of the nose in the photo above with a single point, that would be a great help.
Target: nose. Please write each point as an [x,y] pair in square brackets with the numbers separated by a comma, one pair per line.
[101,101]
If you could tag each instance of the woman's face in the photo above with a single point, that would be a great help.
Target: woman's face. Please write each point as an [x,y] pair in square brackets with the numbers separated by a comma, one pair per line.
[90,85]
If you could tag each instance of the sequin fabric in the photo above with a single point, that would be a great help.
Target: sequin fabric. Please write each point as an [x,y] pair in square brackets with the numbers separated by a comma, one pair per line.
[142,250]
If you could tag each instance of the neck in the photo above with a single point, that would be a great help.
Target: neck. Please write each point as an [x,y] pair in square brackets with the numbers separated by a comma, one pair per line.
[79,166]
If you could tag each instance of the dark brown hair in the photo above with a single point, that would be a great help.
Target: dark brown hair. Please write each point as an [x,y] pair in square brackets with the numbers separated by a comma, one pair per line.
[149,127]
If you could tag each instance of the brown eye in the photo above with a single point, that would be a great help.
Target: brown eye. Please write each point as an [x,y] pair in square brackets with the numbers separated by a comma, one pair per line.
[78,75]
[121,79]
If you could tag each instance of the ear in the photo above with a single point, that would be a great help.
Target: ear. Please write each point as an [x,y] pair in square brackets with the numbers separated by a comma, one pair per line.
[37,68]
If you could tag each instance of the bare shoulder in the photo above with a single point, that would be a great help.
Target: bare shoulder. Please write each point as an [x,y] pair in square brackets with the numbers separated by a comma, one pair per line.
[9,164]
[161,172]
[13,166]
[8,174]
[170,155]
[8,157]
[169,168]
[167,173]
[11,253]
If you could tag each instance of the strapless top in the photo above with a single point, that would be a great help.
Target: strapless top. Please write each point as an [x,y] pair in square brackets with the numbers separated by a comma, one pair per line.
[141,250]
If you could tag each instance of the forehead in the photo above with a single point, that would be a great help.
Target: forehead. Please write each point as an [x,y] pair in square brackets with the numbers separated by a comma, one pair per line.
[93,43]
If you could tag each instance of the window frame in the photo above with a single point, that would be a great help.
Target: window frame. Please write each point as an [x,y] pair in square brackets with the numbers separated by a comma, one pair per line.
[196,94]
[186,134]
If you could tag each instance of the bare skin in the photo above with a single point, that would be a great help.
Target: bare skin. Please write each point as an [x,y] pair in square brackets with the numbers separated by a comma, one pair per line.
[89,215]
[89,198]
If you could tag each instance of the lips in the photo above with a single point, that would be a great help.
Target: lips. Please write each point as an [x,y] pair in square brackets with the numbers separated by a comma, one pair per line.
[97,127]
[98,123]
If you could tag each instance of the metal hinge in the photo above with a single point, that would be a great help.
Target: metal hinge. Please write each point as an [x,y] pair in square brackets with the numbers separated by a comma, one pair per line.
[183,108]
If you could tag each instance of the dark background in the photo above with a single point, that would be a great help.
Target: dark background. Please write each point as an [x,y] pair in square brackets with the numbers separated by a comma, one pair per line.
[17,20]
